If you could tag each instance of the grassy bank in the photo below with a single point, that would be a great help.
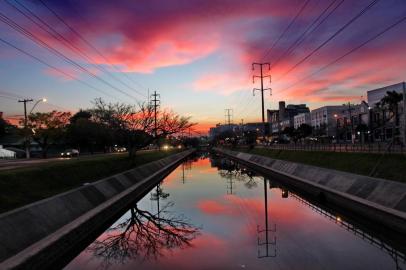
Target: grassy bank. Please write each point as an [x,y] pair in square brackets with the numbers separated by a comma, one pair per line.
[22,186]
[392,167]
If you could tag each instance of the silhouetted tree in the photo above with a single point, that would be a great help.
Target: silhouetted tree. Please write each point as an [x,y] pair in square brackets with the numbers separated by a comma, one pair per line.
[81,114]
[144,236]
[48,128]
[135,125]
[304,130]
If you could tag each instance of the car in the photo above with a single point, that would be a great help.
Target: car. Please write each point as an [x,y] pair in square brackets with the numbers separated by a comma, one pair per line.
[70,153]
[119,149]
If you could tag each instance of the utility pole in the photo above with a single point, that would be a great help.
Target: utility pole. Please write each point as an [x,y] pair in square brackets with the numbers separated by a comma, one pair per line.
[155,102]
[27,143]
[404,113]
[242,127]
[267,243]
[228,116]
[262,89]
[350,109]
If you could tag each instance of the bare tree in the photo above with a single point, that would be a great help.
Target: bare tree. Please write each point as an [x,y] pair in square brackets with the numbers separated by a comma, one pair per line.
[144,236]
[135,126]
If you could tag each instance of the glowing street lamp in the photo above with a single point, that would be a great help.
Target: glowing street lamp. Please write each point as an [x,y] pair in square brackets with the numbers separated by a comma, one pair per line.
[36,103]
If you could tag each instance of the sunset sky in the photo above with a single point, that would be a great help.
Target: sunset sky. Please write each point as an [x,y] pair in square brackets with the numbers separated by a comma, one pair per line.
[197,53]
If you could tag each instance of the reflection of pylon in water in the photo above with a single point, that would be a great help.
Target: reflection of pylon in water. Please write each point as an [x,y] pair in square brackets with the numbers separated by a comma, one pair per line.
[159,193]
[269,243]
[183,173]
[230,185]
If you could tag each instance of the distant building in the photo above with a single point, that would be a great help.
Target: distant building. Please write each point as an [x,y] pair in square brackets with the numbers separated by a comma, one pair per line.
[382,124]
[258,127]
[324,119]
[374,96]
[219,128]
[302,118]
[284,116]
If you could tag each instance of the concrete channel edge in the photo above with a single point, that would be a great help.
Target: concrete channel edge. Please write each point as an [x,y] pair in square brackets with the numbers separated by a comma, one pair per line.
[36,235]
[382,201]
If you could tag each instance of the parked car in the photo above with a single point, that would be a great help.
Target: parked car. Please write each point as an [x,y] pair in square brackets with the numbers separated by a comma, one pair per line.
[70,153]
[119,149]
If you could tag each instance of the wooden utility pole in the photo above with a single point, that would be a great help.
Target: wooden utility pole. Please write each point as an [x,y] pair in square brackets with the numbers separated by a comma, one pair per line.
[155,102]
[404,113]
[27,142]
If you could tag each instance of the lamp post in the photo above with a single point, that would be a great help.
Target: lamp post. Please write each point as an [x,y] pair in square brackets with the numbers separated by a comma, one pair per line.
[36,103]
[370,124]
[337,134]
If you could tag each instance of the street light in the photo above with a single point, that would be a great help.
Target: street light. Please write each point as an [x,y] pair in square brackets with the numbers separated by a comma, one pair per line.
[337,134]
[36,103]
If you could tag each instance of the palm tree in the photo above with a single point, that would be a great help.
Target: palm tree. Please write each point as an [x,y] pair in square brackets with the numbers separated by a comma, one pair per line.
[391,101]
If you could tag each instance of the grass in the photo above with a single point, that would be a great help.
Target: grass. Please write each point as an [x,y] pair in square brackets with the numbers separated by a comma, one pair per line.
[22,186]
[392,166]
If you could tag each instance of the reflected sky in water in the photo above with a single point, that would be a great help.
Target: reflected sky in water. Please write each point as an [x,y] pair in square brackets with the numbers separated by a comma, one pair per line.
[212,216]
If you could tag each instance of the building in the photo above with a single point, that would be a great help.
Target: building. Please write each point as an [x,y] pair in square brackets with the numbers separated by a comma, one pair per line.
[383,125]
[219,128]
[284,116]
[374,96]
[324,120]
[257,127]
[300,119]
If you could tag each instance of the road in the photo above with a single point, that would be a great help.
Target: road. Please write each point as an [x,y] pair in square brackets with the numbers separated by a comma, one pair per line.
[22,163]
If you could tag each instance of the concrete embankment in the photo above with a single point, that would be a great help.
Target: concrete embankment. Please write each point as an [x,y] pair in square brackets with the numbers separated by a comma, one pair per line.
[36,236]
[380,200]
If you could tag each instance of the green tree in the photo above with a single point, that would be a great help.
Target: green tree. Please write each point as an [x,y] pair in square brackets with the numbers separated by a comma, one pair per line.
[390,103]
[3,125]
[304,130]
[48,128]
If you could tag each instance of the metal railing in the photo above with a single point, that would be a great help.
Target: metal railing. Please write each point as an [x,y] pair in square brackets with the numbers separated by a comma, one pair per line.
[339,147]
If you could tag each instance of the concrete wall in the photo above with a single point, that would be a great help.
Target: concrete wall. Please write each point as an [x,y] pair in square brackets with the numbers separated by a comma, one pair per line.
[36,235]
[381,200]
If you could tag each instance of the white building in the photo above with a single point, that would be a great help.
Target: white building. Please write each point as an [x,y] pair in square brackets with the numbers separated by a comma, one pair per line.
[381,132]
[300,119]
[324,119]
[4,153]
[374,96]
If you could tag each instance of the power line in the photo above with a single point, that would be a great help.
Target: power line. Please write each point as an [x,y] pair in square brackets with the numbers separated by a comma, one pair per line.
[308,31]
[15,26]
[59,37]
[7,97]
[90,45]
[54,68]
[349,52]
[286,29]
[353,19]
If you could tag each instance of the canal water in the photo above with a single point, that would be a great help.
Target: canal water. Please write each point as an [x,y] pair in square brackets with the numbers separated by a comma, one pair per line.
[211,213]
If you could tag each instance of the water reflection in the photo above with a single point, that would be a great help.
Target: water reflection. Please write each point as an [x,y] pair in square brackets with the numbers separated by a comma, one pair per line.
[230,170]
[144,236]
[245,221]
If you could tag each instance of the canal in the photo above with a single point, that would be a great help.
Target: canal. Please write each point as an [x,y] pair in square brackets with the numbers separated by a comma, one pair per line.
[212,213]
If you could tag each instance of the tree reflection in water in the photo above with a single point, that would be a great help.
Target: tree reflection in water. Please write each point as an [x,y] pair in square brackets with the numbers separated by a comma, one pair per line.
[231,170]
[144,236]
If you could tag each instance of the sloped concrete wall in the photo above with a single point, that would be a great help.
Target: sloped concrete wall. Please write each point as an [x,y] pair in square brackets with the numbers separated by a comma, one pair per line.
[35,235]
[380,199]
